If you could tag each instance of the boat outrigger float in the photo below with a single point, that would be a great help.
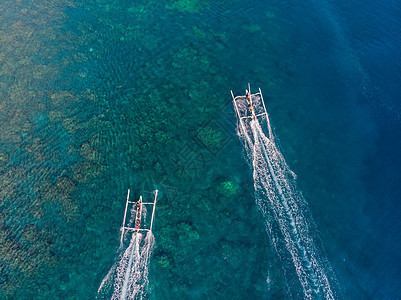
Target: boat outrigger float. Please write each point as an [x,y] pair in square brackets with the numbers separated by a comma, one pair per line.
[138,215]
[251,106]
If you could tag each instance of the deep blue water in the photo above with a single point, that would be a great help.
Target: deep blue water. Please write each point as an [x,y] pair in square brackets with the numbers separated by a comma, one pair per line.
[100,96]
[373,32]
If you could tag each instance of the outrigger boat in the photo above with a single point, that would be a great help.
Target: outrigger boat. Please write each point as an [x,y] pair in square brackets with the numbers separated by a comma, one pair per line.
[250,104]
[138,215]
[251,107]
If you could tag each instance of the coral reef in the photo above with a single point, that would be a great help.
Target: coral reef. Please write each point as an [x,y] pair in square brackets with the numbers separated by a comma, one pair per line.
[92,105]
[3,157]
[228,188]
[188,6]
[211,138]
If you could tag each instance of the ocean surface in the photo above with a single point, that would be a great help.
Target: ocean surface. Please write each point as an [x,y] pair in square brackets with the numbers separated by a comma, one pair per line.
[97,97]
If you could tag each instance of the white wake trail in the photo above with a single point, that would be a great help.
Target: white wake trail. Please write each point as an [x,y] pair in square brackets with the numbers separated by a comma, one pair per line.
[130,277]
[286,214]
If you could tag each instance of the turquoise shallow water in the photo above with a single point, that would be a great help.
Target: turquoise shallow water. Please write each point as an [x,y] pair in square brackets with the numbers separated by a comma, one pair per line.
[100,96]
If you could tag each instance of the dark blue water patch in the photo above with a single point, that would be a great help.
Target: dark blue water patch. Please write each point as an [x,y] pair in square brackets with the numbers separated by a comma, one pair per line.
[383,179]
[374,39]
[374,34]
[373,31]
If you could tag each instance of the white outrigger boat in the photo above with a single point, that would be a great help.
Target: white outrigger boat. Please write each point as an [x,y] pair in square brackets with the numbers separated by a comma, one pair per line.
[139,205]
[251,107]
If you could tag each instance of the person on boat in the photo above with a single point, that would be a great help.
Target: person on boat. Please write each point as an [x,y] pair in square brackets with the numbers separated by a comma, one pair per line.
[248,99]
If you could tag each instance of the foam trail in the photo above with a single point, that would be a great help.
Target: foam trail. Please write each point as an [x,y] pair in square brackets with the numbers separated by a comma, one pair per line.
[106,279]
[286,215]
[134,252]
[130,274]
